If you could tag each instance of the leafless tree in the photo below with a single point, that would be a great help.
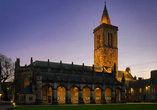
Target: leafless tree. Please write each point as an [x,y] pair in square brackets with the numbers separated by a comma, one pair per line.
[7,73]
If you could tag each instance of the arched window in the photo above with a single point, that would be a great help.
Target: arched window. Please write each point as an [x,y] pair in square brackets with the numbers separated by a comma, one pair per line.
[108,95]
[26,81]
[74,95]
[61,95]
[109,39]
[98,41]
[47,95]
[86,95]
[97,95]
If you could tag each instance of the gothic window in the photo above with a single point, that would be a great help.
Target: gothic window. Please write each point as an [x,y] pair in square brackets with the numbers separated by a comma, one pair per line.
[47,95]
[74,95]
[111,40]
[140,90]
[98,41]
[152,90]
[26,82]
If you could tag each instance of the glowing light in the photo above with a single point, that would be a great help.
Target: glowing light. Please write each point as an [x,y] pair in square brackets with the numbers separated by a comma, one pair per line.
[97,88]
[140,90]
[0,94]
[132,89]
[14,103]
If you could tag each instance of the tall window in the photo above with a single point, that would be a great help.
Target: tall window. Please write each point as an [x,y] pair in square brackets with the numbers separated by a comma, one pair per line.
[98,41]
[26,82]
[140,90]
[152,90]
[109,39]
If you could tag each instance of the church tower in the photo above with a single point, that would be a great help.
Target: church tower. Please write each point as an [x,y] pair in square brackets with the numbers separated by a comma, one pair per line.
[105,44]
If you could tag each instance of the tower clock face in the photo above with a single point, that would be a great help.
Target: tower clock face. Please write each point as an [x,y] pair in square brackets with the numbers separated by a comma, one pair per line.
[110,50]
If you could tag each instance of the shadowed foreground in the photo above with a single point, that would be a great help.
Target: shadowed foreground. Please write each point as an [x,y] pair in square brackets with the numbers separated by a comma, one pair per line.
[92,107]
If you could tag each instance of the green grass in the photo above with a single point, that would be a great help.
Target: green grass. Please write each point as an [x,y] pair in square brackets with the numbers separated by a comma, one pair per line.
[92,107]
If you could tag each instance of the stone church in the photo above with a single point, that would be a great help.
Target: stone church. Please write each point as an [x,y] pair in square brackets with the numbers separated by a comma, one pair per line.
[46,82]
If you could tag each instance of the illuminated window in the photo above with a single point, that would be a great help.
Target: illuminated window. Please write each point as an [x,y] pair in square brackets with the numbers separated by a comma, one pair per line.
[87,98]
[97,98]
[132,90]
[140,90]
[26,82]
[107,98]
[76,98]
[152,90]
[7,88]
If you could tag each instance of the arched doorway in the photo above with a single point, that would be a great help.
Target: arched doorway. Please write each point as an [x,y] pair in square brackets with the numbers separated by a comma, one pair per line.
[108,95]
[47,95]
[74,95]
[118,95]
[61,95]
[97,95]
[86,95]
[26,81]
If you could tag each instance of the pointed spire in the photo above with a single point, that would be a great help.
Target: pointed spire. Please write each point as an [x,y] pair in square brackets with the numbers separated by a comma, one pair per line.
[48,62]
[123,79]
[31,60]
[105,6]
[105,17]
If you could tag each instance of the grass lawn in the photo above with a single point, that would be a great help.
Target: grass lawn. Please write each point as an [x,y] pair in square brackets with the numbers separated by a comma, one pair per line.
[92,107]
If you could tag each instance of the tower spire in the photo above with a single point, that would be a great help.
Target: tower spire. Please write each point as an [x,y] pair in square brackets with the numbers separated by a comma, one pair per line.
[105,17]
[105,6]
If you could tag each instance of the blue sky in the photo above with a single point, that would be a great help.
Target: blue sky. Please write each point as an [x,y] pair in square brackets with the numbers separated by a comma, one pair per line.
[63,30]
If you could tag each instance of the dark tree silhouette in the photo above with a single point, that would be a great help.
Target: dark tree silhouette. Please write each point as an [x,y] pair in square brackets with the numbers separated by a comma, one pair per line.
[7,73]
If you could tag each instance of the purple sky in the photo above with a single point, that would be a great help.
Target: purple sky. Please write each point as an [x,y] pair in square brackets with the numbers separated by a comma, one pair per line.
[63,30]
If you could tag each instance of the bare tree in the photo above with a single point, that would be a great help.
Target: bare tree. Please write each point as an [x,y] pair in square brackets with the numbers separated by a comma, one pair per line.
[7,73]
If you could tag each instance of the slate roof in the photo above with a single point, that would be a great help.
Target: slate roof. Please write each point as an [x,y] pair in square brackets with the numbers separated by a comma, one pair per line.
[75,73]
[139,83]
[77,78]
[26,90]
[65,66]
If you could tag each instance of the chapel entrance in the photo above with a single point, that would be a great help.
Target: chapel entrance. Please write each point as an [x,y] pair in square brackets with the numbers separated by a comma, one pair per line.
[97,95]
[47,95]
[86,95]
[118,95]
[74,95]
[108,95]
[61,95]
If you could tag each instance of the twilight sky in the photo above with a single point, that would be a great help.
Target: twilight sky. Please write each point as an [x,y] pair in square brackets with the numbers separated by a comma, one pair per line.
[63,30]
